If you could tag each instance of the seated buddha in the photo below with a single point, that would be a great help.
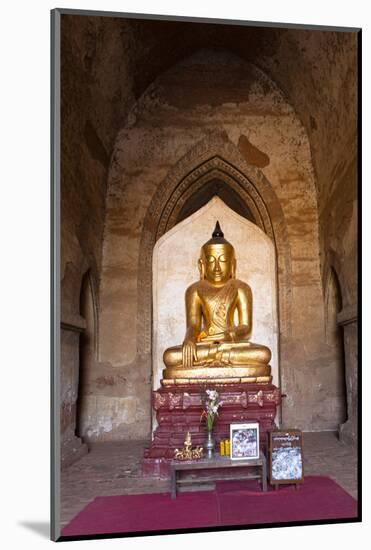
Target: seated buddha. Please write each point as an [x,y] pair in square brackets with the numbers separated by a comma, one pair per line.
[216,347]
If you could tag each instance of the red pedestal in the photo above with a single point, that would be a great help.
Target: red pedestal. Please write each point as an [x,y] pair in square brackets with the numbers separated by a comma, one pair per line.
[178,410]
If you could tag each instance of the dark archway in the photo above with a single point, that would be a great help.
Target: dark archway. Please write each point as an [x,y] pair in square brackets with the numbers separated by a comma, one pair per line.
[219,188]
[87,347]
[335,341]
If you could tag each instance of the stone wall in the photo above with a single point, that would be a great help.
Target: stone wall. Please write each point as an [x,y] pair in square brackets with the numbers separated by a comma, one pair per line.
[180,109]
[339,220]
[293,120]
[87,123]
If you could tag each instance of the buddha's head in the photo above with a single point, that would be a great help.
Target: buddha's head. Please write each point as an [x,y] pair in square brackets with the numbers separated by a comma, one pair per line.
[217,263]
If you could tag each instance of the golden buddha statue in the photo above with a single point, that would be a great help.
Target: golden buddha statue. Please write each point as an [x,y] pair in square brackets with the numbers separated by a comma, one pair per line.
[215,348]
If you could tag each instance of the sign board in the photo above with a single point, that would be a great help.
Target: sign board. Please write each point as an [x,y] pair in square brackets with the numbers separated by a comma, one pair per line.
[286,464]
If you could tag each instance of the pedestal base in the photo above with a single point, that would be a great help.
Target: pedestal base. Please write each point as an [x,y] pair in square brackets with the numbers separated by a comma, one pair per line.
[178,410]
[251,374]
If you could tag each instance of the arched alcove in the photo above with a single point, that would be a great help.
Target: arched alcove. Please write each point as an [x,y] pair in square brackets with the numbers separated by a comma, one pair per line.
[175,268]
[206,162]
[333,303]
[87,348]
[165,166]
[335,342]
[160,112]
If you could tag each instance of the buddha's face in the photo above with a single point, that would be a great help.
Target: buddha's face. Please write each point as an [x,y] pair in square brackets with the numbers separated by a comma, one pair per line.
[218,261]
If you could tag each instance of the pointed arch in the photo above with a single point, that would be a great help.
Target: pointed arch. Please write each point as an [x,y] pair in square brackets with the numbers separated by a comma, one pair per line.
[88,346]
[89,290]
[333,300]
[334,334]
[214,157]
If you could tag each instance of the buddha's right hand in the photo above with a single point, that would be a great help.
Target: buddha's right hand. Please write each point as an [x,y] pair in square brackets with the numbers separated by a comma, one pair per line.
[189,353]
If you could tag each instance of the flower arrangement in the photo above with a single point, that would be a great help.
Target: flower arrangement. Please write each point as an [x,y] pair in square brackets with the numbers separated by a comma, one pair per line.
[211,405]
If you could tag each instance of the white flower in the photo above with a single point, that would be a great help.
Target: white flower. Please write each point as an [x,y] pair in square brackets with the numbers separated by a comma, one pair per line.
[212,394]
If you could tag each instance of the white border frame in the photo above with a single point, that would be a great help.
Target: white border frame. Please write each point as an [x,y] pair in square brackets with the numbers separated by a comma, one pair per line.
[244,426]
[237,18]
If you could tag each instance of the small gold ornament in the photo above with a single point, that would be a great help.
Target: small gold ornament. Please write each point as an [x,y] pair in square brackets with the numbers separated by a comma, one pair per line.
[187,453]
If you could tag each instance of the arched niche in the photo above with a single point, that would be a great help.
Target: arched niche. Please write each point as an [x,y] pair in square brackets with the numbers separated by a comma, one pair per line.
[335,342]
[175,259]
[87,348]
[169,151]
[333,304]
[214,158]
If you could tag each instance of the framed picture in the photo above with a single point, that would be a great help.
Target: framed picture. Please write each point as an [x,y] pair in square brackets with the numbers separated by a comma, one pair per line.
[172,135]
[286,463]
[244,441]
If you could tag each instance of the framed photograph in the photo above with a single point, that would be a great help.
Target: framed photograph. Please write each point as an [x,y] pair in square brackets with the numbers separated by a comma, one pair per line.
[286,464]
[244,441]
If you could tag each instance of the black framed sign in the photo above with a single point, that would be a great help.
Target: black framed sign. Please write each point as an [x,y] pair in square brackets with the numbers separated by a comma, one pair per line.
[286,464]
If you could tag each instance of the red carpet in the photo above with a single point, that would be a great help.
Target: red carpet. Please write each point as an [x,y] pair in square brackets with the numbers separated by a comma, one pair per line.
[145,513]
[232,503]
[318,498]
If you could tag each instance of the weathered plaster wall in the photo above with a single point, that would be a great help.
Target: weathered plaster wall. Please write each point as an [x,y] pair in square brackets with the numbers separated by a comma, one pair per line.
[106,65]
[321,82]
[339,222]
[182,107]
[87,123]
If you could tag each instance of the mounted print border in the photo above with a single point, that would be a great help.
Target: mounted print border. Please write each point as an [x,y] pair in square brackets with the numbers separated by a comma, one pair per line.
[245,441]
[151,118]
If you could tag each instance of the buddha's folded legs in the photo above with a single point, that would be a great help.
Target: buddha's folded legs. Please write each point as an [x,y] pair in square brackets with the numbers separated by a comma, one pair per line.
[227,353]
[173,357]
[244,353]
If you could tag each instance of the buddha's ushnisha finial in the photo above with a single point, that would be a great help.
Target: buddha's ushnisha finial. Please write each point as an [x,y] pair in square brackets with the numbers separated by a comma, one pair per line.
[217,236]
[217,231]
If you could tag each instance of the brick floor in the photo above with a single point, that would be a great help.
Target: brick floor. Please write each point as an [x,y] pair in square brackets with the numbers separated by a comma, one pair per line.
[114,469]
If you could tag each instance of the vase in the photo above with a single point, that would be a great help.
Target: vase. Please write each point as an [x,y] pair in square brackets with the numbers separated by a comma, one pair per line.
[209,446]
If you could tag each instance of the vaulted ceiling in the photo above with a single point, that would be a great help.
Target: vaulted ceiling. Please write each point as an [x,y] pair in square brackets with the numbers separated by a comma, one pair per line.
[116,59]
[107,63]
